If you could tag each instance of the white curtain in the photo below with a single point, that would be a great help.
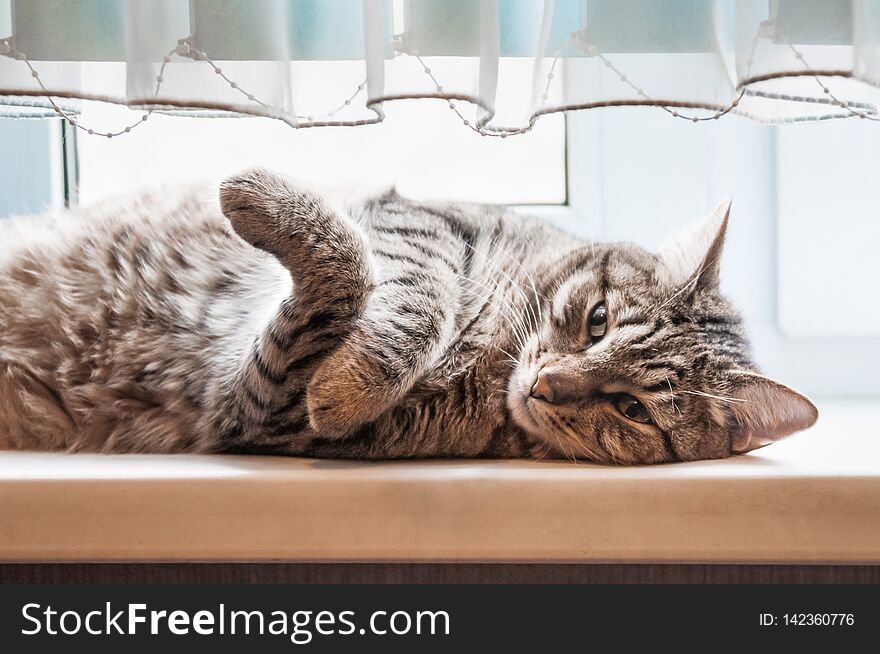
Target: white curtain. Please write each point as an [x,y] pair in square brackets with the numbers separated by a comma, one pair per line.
[500,64]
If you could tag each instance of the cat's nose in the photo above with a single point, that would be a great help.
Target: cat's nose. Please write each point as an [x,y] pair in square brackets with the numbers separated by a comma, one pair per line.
[541,389]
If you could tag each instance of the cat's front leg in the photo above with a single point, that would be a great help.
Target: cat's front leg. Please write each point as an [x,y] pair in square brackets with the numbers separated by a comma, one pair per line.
[262,404]
[324,251]
[407,324]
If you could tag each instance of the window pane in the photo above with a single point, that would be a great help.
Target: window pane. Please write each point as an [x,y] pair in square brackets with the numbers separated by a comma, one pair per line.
[828,228]
[30,179]
[422,148]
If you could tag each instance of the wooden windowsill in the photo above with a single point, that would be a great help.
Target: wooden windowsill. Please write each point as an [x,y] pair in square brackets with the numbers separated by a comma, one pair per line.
[812,499]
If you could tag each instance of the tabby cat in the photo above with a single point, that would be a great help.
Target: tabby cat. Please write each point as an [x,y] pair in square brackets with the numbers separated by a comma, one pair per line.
[276,323]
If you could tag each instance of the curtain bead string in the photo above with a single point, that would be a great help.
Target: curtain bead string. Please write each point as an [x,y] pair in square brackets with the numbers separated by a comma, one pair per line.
[579,41]
[843,104]
[185,48]
[7,48]
[482,130]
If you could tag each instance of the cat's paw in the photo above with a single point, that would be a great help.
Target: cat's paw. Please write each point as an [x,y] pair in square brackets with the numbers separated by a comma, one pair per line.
[345,392]
[295,225]
[258,205]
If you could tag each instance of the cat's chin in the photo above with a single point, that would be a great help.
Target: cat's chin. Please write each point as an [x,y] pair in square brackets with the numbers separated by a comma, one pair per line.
[518,404]
[524,417]
[545,447]
[518,400]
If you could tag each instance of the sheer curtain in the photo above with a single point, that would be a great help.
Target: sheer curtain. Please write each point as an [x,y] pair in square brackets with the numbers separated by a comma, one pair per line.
[338,62]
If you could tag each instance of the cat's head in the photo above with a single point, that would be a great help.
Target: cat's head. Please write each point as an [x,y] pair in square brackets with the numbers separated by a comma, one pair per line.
[640,359]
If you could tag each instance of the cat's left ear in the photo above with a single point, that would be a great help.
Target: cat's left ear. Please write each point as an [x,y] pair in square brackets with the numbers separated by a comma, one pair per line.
[694,260]
[765,411]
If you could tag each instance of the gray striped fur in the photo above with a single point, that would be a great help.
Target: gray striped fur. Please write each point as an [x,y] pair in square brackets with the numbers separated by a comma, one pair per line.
[273,322]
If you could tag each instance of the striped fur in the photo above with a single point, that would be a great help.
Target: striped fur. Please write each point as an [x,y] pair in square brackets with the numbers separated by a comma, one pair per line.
[276,323]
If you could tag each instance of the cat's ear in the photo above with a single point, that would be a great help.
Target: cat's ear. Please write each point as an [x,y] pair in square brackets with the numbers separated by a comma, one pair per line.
[694,260]
[765,411]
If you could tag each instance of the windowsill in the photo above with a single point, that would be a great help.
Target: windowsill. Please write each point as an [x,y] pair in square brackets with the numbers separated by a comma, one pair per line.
[812,499]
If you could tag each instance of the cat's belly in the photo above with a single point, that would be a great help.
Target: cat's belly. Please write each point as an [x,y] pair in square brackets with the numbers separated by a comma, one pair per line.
[109,335]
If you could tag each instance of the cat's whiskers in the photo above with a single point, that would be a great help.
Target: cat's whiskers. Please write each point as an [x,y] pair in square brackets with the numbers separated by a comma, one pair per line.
[534,287]
[551,427]
[672,396]
[590,453]
[514,362]
[720,398]
[586,448]
[692,282]
[506,312]
[512,318]
[609,449]
[510,356]
[493,292]
[568,455]
[536,319]
[672,297]
[494,263]
[565,452]
[538,296]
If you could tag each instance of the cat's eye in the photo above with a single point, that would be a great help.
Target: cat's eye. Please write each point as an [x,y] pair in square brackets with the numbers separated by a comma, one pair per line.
[631,408]
[597,323]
